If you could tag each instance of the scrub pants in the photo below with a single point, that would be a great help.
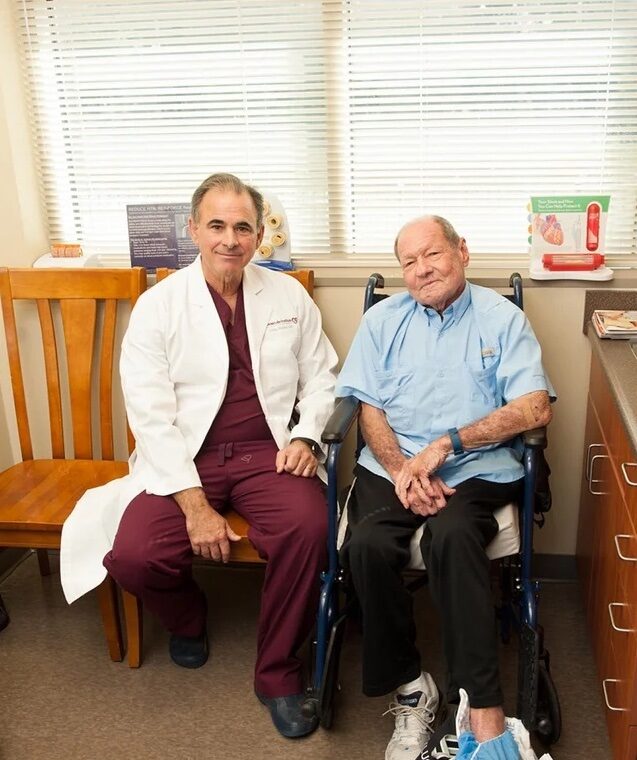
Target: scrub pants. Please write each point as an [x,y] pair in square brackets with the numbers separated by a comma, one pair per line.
[453,549]
[152,556]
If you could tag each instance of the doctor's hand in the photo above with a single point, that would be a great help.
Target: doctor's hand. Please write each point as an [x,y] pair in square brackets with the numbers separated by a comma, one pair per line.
[208,531]
[297,459]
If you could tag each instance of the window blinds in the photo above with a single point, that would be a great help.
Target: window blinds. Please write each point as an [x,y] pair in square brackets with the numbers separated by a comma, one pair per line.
[358,114]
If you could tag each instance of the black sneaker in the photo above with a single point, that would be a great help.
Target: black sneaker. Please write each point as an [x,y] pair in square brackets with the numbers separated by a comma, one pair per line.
[444,742]
[189,651]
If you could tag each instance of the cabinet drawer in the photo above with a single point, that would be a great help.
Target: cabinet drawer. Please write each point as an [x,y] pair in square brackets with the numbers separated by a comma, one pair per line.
[616,675]
[599,391]
[631,754]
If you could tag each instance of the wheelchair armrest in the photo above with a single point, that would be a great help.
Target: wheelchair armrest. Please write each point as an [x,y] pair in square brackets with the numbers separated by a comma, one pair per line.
[535,439]
[341,420]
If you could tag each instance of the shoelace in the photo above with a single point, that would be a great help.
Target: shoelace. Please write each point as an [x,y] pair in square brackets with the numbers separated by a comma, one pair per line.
[423,714]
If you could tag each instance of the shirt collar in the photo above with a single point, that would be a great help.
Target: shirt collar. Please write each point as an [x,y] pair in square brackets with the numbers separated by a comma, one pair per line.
[454,311]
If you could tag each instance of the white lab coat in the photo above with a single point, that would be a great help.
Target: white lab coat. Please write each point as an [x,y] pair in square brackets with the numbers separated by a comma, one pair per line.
[174,370]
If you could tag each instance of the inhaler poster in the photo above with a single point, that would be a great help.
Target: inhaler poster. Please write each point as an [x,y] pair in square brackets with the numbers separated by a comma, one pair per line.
[158,235]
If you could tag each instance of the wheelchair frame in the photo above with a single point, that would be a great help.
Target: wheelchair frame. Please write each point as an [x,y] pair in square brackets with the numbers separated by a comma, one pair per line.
[537,701]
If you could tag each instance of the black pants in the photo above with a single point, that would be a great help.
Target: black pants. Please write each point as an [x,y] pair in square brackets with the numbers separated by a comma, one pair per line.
[453,549]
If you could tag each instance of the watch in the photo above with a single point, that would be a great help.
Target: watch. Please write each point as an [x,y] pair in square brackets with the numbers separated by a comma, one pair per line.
[314,447]
[455,441]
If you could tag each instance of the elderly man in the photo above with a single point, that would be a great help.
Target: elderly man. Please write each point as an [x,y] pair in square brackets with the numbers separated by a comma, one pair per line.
[215,360]
[448,374]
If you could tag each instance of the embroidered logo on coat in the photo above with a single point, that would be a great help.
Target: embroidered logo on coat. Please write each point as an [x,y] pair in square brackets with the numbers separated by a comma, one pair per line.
[283,322]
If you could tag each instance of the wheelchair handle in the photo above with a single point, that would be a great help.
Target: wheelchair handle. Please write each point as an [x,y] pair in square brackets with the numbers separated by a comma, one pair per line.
[375,280]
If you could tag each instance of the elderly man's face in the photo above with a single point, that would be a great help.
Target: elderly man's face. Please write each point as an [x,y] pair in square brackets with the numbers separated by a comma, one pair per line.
[226,233]
[433,269]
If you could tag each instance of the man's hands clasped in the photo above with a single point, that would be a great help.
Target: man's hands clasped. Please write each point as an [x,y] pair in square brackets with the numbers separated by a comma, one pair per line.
[418,487]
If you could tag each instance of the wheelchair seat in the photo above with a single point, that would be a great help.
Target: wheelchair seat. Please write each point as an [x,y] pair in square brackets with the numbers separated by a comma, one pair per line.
[506,543]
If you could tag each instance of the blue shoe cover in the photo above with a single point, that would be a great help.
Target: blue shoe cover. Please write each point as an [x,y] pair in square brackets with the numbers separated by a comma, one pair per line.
[467,745]
[502,747]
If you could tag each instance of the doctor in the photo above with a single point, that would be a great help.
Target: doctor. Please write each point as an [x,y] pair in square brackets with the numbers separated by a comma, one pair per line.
[215,360]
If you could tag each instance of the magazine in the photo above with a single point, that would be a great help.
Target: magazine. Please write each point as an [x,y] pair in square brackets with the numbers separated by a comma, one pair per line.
[610,323]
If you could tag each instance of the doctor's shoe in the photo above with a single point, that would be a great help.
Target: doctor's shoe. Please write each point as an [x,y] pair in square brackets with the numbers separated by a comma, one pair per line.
[287,717]
[189,651]
[415,715]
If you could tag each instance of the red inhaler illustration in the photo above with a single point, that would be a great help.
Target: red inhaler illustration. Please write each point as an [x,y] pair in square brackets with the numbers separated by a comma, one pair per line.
[592,226]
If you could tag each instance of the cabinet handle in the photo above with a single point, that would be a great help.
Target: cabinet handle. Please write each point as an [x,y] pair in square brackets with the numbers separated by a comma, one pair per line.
[591,446]
[612,621]
[625,474]
[619,552]
[610,707]
[590,478]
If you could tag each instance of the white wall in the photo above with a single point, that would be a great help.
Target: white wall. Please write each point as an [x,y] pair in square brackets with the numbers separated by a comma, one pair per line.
[22,228]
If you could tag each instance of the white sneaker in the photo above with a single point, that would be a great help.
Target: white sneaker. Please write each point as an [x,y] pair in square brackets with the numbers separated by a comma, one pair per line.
[415,714]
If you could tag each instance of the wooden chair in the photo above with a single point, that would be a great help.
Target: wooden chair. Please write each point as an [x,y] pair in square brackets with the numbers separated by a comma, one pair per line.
[78,318]
[241,552]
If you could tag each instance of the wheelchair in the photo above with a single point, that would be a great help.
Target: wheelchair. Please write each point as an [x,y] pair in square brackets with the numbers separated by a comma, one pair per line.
[537,700]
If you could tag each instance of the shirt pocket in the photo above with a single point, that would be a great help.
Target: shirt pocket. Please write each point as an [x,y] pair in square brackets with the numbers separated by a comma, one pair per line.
[396,393]
[484,386]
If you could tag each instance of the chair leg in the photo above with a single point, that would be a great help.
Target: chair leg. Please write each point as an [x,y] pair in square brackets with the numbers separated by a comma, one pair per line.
[134,628]
[107,597]
[43,562]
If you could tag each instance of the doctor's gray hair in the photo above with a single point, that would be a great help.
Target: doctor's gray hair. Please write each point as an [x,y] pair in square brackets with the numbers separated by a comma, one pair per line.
[222,181]
[451,236]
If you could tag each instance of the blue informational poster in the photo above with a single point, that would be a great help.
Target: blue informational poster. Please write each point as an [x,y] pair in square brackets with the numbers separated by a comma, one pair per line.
[158,235]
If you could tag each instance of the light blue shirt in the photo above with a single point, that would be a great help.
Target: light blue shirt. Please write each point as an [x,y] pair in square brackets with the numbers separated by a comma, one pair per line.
[429,373]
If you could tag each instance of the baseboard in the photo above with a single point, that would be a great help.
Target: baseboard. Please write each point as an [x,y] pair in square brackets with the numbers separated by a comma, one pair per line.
[555,567]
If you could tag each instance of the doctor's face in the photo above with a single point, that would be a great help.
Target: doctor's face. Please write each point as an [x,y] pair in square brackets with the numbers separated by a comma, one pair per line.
[226,233]
[433,268]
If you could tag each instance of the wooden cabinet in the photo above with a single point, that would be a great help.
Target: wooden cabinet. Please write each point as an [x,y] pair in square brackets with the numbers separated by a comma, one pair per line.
[607,560]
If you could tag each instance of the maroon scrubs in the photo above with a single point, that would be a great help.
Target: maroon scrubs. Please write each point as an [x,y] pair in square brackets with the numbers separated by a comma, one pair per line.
[152,555]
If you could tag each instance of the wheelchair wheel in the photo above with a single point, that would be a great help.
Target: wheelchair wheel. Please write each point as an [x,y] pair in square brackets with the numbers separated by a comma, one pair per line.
[4,615]
[329,684]
[548,718]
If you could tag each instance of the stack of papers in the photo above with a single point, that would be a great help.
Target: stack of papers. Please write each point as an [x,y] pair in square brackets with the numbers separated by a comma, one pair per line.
[609,323]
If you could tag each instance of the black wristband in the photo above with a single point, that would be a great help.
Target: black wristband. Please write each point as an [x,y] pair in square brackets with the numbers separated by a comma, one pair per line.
[455,441]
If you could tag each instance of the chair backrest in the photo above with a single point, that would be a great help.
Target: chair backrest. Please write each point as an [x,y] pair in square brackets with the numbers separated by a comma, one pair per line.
[376,282]
[304,276]
[78,348]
